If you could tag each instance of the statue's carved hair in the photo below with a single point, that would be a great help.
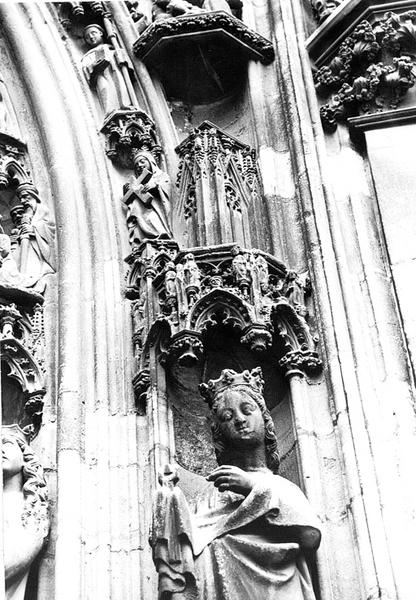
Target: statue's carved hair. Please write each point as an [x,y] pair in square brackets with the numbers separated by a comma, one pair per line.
[270,439]
[35,492]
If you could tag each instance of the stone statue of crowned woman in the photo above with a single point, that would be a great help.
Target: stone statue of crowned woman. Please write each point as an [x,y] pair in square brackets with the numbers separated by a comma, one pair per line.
[25,509]
[248,535]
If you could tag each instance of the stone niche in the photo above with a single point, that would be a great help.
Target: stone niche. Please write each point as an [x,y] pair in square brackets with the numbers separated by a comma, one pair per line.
[201,58]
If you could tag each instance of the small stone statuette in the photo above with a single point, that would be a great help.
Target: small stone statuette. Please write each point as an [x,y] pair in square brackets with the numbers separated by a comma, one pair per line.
[25,509]
[101,67]
[147,199]
[250,529]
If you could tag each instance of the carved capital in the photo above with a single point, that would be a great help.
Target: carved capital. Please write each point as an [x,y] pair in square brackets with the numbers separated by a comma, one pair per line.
[306,361]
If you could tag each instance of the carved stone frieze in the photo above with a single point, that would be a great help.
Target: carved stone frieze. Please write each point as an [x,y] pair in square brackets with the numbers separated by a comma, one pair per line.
[215,167]
[372,70]
[257,46]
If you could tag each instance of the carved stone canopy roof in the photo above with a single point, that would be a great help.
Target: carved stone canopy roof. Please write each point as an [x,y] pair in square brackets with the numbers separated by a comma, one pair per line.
[201,58]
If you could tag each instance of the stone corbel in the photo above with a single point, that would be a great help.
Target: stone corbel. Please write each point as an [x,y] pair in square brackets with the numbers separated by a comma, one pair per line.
[141,385]
[258,338]
[186,348]
[304,361]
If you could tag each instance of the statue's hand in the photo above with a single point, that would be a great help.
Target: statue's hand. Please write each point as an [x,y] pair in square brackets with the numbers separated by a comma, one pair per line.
[228,478]
[26,229]
[150,185]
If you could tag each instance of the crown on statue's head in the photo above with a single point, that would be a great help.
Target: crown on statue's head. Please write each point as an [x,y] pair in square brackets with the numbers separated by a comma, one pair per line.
[16,432]
[229,379]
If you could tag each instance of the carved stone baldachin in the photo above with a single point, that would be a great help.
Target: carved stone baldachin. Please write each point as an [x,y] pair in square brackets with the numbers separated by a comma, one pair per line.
[258,306]
[201,57]
[126,131]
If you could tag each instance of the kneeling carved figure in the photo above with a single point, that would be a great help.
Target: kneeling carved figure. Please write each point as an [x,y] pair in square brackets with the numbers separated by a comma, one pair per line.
[248,534]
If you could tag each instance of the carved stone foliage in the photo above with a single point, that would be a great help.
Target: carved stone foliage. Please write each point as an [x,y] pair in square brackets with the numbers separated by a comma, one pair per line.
[24,509]
[217,170]
[200,56]
[322,9]
[194,293]
[26,258]
[372,70]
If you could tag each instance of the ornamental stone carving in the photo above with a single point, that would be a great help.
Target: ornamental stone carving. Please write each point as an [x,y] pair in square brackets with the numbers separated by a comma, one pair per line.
[372,70]
[190,294]
[25,509]
[128,131]
[26,259]
[322,9]
[216,170]
[242,514]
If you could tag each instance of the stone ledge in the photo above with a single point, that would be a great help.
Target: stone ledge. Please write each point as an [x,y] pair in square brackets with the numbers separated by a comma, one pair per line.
[388,118]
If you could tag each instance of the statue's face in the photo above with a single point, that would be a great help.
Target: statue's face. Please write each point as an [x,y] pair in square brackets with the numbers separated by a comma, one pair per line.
[12,457]
[240,420]
[141,163]
[93,36]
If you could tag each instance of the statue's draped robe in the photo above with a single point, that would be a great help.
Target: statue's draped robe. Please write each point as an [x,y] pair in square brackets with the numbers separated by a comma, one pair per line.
[102,73]
[149,218]
[39,257]
[22,543]
[234,544]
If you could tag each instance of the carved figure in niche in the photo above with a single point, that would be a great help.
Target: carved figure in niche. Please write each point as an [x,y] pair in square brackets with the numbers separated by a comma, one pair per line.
[9,273]
[191,271]
[295,289]
[25,509]
[242,269]
[36,233]
[147,200]
[192,276]
[102,71]
[249,532]
[262,270]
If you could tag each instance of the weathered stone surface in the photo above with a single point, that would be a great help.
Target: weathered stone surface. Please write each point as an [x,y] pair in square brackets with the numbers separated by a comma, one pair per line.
[189,542]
